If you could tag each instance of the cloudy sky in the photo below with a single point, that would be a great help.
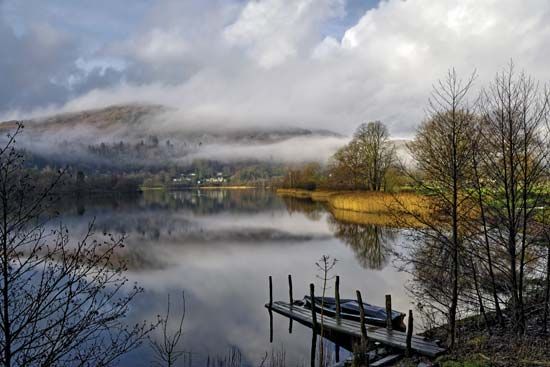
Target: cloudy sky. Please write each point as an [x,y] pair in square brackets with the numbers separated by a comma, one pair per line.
[313,63]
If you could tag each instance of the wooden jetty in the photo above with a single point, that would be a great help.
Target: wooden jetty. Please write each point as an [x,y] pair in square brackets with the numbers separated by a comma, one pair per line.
[386,336]
[392,338]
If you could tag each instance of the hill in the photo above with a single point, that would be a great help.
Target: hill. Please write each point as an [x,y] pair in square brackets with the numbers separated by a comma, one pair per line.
[153,138]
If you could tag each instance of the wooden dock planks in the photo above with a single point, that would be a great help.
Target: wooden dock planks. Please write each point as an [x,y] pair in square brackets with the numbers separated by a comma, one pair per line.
[393,338]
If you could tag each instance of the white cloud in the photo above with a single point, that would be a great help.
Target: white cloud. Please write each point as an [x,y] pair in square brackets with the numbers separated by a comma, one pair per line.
[267,62]
[161,44]
[303,149]
[275,30]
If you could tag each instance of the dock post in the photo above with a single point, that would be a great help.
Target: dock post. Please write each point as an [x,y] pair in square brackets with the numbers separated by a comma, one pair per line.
[409,334]
[362,356]
[389,325]
[270,326]
[313,325]
[290,290]
[291,299]
[313,347]
[337,296]
[362,315]
[270,292]
[313,312]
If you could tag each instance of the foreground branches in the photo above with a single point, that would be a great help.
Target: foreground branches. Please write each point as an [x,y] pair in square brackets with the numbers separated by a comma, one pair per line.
[61,303]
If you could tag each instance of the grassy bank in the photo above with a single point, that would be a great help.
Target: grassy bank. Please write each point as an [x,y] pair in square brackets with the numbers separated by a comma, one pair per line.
[364,202]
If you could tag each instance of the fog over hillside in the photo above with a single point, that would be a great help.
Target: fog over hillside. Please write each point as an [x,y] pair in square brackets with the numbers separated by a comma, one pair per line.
[151,134]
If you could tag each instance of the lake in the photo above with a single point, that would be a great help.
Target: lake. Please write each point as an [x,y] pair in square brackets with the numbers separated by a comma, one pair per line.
[220,246]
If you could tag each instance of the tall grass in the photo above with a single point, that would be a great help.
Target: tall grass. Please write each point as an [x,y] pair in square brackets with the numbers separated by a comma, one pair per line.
[366,207]
[376,202]
[363,201]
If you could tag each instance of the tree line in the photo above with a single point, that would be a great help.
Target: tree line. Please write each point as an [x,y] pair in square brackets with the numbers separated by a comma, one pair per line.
[367,162]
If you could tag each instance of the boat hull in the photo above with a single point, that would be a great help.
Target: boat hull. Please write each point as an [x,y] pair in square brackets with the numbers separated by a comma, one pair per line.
[374,315]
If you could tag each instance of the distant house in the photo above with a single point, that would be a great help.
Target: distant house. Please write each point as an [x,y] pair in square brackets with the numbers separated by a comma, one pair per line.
[192,179]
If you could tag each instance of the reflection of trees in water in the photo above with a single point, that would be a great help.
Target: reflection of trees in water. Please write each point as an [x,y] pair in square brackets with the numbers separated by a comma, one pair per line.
[212,201]
[179,217]
[311,209]
[372,244]
[196,201]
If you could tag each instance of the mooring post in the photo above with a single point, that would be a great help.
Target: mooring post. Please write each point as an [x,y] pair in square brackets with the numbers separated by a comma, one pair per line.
[313,347]
[337,296]
[270,326]
[409,334]
[313,312]
[389,325]
[270,292]
[290,290]
[362,315]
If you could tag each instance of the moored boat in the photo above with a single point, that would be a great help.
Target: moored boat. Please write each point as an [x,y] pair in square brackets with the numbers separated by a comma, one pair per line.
[349,309]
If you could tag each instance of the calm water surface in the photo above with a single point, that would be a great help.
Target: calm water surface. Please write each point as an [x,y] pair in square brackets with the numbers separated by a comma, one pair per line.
[220,247]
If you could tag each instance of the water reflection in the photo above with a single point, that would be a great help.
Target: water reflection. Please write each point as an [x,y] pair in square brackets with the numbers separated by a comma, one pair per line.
[220,247]
[372,244]
[312,210]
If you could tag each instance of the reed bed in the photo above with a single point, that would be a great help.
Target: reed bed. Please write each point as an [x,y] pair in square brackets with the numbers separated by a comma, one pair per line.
[377,202]
[364,207]
[363,201]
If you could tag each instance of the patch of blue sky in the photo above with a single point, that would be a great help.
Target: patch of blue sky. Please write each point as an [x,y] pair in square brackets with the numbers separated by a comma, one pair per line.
[355,9]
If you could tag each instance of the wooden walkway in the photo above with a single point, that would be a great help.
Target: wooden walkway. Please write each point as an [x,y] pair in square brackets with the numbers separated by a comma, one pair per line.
[392,338]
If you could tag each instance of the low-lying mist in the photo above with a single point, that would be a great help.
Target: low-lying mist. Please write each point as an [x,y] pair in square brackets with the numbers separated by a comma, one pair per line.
[150,135]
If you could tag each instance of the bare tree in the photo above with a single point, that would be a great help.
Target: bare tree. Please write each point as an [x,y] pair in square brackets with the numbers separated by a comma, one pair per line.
[546,237]
[166,351]
[325,266]
[348,167]
[486,258]
[365,161]
[62,302]
[442,149]
[376,151]
[514,109]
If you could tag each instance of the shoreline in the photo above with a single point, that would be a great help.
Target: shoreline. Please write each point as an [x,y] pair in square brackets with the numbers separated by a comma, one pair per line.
[365,207]
[166,188]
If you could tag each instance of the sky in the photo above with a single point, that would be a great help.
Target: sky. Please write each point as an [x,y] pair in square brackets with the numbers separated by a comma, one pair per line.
[329,64]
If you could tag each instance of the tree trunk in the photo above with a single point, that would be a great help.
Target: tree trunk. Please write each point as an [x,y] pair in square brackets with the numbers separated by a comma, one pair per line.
[455,240]
[6,327]
[483,217]
[479,298]
[547,290]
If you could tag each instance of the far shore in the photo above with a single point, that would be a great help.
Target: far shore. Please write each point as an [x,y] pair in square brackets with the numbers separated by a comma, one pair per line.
[168,188]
